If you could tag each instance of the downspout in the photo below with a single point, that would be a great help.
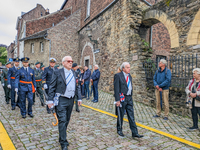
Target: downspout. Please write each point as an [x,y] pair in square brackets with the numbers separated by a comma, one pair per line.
[49,46]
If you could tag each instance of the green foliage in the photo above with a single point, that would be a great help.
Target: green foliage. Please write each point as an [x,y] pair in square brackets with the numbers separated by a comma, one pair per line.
[2,49]
[146,44]
[167,2]
[3,55]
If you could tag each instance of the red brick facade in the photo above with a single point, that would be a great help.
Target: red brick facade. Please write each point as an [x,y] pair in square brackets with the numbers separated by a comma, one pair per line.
[45,22]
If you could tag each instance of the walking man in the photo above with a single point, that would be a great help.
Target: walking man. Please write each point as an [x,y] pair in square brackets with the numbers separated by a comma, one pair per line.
[123,98]
[86,80]
[46,76]
[26,85]
[95,79]
[4,82]
[38,79]
[63,84]
[12,72]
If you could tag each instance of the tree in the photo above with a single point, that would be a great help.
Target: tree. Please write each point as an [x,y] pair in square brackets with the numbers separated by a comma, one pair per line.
[2,49]
[3,55]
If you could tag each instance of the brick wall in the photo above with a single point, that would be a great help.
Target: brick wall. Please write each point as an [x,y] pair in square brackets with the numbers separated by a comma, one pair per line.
[45,22]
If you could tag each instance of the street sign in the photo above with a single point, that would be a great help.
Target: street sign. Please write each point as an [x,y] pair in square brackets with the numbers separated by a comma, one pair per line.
[10,59]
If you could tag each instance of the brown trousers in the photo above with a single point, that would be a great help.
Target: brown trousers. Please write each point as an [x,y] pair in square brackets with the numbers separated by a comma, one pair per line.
[165,98]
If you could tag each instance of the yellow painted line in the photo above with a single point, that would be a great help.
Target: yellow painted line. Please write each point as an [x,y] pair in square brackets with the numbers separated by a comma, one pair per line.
[5,140]
[149,128]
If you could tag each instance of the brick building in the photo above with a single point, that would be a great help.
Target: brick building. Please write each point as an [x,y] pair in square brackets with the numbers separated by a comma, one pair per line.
[10,50]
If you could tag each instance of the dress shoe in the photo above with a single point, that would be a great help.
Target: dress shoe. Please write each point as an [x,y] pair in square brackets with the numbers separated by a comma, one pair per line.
[42,104]
[49,112]
[31,115]
[137,136]
[156,116]
[77,110]
[92,100]
[7,102]
[24,116]
[64,148]
[165,118]
[120,133]
[87,98]
[67,143]
[95,101]
[13,108]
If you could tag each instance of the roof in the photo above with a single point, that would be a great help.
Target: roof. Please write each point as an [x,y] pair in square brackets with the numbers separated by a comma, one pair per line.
[63,5]
[37,35]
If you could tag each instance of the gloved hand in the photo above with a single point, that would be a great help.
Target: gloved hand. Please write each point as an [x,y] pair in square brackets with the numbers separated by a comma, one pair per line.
[2,84]
[35,89]
[45,86]
[9,86]
[16,89]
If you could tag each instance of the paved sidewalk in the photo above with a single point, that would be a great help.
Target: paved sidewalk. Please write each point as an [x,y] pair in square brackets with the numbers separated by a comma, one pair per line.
[87,130]
[176,125]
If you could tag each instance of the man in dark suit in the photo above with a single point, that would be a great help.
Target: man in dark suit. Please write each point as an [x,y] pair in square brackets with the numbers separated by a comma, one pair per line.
[46,76]
[63,85]
[86,81]
[95,79]
[123,97]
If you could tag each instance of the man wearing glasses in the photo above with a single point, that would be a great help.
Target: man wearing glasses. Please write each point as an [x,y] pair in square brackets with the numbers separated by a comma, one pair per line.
[63,85]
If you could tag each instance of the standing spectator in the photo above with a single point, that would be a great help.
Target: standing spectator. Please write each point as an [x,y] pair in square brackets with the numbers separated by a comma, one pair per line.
[86,80]
[95,79]
[162,80]
[193,94]
[82,84]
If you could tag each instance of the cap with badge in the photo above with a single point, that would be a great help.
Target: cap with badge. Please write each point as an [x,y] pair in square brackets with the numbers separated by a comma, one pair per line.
[52,60]
[42,66]
[8,63]
[16,59]
[74,65]
[25,59]
[37,63]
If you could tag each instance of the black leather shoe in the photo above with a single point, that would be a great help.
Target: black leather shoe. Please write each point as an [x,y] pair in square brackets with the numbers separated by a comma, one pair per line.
[137,136]
[49,112]
[77,110]
[64,148]
[31,115]
[95,101]
[13,108]
[67,143]
[7,102]
[24,116]
[87,98]
[120,133]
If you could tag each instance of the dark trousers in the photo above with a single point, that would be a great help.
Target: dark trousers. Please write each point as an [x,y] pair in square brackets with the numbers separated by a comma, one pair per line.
[23,95]
[82,90]
[47,90]
[40,92]
[195,111]
[87,91]
[128,106]
[7,92]
[92,90]
[64,110]
[95,87]
[13,94]
[76,101]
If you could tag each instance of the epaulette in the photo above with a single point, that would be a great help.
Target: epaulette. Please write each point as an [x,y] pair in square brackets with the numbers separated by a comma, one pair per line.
[49,67]
[18,68]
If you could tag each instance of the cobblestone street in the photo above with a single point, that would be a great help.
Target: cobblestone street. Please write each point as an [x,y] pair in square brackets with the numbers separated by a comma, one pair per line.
[90,129]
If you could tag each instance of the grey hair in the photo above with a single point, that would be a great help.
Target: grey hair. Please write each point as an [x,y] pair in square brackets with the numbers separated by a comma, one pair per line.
[124,65]
[65,58]
[163,61]
[96,66]
[197,70]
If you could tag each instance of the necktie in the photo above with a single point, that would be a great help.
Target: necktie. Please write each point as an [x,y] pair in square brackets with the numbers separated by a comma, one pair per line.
[128,81]
[26,70]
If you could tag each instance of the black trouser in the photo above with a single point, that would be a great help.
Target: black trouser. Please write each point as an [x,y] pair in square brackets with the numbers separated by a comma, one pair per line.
[76,101]
[64,110]
[47,90]
[195,111]
[40,92]
[128,106]
[7,92]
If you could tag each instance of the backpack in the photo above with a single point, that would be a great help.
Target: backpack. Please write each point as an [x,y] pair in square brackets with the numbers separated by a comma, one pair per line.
[165,75]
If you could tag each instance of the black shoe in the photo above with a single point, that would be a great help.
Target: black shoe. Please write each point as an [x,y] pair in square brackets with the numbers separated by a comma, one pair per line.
[92,100]
[7,102]
[120,133]
[31,115]
[67,143]
[17,105]
[137,136]
[42,104]
[49,112]
[95,101]
[24,116]
[64,148]
[156,116]
[77,110]
[87,98]
[83,97]
[193,128]
[13,108]
[165,118]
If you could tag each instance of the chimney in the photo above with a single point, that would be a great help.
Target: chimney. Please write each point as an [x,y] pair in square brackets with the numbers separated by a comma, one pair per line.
[47,11]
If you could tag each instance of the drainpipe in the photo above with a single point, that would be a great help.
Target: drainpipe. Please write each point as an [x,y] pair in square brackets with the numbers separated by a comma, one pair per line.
[151,36]
[147,2]
[49,46]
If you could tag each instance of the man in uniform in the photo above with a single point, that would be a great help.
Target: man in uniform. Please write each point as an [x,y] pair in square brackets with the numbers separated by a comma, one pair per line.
[38,79]
[42,68]
[26,85]
[46,76]
[11,82]
[56,66]
[4,81]
[78,82]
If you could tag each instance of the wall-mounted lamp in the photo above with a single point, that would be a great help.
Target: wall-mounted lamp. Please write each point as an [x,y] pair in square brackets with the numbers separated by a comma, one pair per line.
[89,33]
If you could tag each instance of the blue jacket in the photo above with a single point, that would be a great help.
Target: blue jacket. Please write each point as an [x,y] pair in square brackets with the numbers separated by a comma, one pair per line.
[95,75]
[47,74]
[162,79]
[12,72]
[87,75]
[23,75]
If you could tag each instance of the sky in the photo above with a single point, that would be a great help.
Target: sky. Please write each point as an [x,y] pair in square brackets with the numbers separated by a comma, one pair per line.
[11,9]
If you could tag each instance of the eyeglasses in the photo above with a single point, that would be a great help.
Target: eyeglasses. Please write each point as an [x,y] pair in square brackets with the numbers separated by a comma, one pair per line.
[69,61]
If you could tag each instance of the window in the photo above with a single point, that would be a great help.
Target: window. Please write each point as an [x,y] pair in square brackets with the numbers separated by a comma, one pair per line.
[87,62]
[41,46]
[88,8]
[41,13]
[32,47]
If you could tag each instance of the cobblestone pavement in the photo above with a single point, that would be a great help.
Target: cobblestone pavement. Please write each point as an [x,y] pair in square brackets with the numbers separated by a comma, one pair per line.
[176,125]
[87,130]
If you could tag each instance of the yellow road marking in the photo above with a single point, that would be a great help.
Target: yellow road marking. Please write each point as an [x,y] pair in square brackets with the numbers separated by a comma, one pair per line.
[5,140]
[149,128]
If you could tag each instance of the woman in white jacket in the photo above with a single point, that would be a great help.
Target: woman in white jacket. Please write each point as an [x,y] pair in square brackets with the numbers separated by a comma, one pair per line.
[193,97]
